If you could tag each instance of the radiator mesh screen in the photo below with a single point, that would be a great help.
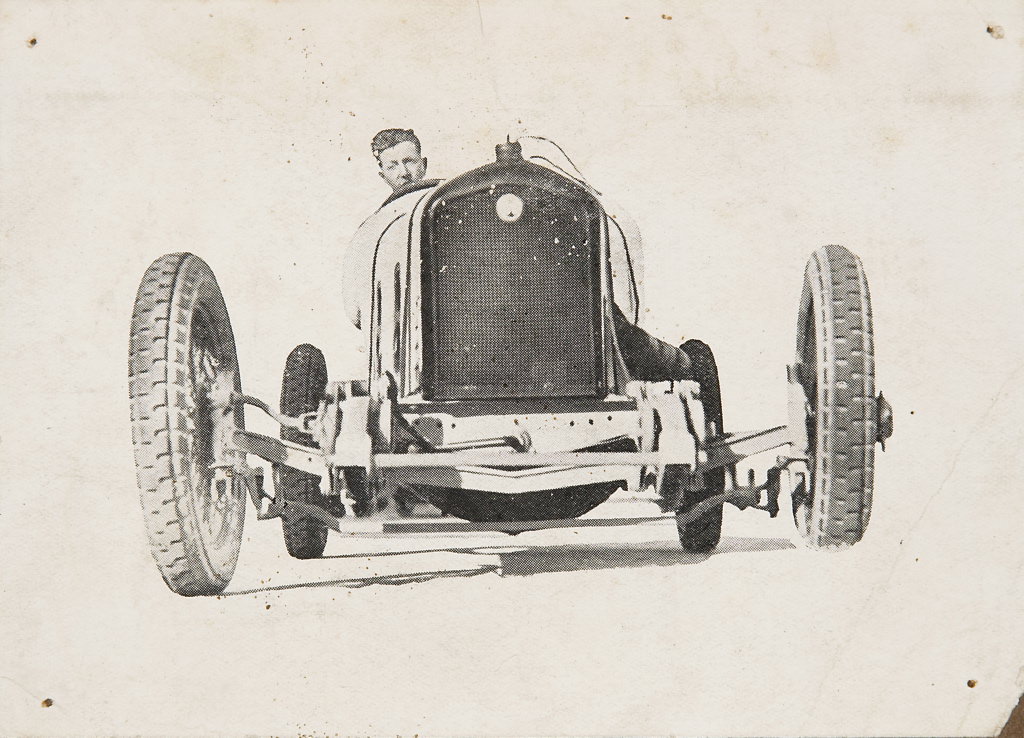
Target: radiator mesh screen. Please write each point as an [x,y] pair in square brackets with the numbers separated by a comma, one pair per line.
[513,308]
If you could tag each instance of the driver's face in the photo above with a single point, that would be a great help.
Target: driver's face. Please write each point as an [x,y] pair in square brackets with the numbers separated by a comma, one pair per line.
[402,164]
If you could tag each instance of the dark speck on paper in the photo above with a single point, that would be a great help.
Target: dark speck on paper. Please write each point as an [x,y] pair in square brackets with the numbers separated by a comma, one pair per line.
[995,31]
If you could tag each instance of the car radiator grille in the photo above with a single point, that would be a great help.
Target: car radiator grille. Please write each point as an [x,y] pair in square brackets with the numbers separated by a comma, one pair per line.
[512,308]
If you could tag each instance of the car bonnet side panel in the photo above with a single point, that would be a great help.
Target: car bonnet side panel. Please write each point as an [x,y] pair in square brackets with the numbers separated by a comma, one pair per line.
[380,290]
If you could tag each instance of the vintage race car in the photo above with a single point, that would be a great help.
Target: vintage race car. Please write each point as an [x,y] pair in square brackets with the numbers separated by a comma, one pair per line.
[508,388]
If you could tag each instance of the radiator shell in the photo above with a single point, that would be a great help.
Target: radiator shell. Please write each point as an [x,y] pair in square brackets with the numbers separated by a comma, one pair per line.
[512,308]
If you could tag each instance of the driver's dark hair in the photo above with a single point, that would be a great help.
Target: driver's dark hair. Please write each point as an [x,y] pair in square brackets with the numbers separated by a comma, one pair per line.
[392,137]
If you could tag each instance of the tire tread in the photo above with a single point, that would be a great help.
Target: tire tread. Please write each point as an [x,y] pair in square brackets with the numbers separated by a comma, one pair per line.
[153,416]
[842,318]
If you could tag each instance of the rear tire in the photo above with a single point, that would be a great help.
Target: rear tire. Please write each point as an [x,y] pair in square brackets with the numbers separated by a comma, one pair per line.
[836,364]
[302,388]
[704,533]
[181,356]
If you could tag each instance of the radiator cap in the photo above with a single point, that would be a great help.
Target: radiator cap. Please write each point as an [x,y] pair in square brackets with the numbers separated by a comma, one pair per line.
[509,152]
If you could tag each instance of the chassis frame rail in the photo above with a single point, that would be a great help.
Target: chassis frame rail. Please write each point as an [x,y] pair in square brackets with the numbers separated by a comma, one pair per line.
[722,452]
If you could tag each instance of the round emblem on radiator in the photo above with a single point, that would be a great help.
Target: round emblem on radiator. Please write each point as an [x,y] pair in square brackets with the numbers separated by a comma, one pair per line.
[509,207]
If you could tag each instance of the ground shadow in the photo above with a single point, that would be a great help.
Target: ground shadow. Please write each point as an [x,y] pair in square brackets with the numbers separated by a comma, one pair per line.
[358,582]
[551,559]
[522,561]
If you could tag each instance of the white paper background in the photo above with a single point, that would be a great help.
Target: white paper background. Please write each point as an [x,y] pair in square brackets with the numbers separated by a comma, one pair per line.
[740,137]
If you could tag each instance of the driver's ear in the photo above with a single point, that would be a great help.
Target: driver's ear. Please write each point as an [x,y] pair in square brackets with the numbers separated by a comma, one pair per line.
[424,163]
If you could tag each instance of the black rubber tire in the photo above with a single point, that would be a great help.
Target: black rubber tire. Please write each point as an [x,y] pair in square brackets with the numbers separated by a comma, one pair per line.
[302,388]
[836,366]
[181,338]
[704,533]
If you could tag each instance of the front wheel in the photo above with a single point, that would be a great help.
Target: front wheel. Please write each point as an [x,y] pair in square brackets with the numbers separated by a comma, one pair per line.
[182,370]
[835,366]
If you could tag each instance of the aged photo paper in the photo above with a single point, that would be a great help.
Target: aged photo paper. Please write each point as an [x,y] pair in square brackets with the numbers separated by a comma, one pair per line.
[739,138]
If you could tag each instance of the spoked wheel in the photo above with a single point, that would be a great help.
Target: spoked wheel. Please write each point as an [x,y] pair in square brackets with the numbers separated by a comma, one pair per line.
[835,367]
[302,389]
[182,370]
[704,533]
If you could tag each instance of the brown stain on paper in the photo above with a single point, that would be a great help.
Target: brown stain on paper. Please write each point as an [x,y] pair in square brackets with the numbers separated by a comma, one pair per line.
[890,140]
[825,54]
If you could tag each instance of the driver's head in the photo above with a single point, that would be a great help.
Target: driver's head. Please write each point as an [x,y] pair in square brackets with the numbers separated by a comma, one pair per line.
[398,154]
